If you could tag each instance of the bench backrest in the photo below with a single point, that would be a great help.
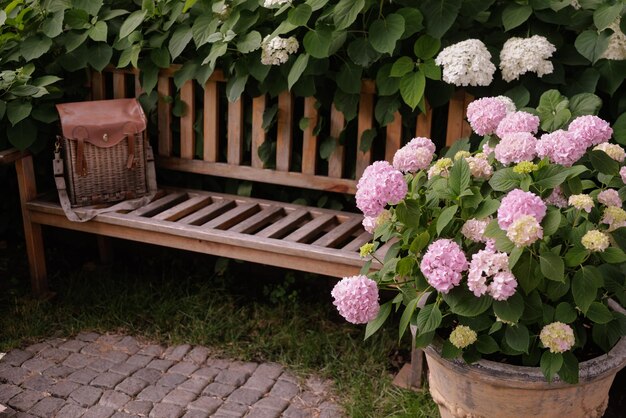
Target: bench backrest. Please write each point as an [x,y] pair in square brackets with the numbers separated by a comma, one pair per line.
[232,132]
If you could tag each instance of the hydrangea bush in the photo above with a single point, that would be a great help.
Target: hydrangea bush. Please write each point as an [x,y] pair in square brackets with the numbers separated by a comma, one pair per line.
[512,249]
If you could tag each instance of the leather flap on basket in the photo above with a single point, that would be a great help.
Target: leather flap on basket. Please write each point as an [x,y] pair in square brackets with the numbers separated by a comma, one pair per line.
[103,123]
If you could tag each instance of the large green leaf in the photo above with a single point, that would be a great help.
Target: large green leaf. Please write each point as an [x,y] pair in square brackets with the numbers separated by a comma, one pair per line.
[376,323]
[132,22]
[439,15]
[181,37]
[606,14]
[591,44]
[445,217]
[407,315]
[53,25]
[300,15]
[514,15]
[361,52]
[553,110]
[34,47]
[100,55]
[251,41]
[619,129]
[23,134]
[18,110]
[585,104]
[584,289]
[601,161]
[554,175]
[511,309]
[486,344]
[384,33]
[412,87]
[565,313]
[99,31]
[486,208]
[460,177]
[204,26]
[612,73]
[386,84]
[505,179]
[90,6]
[298,68]
[426,47]
[402,66]
[599,313]
[429,318]
[317,42]
[517,337]
[463,302]
[552,266]
[412,20]
[346,11]
[550,364]
[349,78]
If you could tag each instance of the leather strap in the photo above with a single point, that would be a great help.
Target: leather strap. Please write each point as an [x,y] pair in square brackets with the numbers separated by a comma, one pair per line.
[89,212]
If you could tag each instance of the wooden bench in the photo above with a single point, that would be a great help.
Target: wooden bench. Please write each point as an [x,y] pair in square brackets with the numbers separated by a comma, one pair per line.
[276,233]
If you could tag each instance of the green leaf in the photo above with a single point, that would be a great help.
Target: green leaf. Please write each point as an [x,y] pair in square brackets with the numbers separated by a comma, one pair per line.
[552,266]
[349,78]
[520,96]
[553,110]
[412,87]
[317,42]
[591,44]
[565,313]
[77,19]
[412,20]
[34,47]
[460,176]
[376,323]
[583,289]
[426,47]
[551,222]
[181,37]
[386,84]
[601,161]
[188,5]
[439,15]
[53,25]
[619,128]
[402,66]
[346,103]
[132,22]
[449,351]
[297,69]
[90,6]
[18,110]
[430,69]
[100,56]
[550,364]
[249,42]
[386,108]
[613,255]
[420,242]
[300,15]
[486,344]
[554,175]
[576,256]
[407,315]
[384,33]
[516,336]
[445,217]
[217,50]
[599,313]
[569,369]
[161,57]
[204,26]
[511,309]
[514,15]
[23,134]
[367,137]
[428,318]
[235,86]
[345,13]
[422,340]
[463,302]
[487,207]
[606,14]
[361,52]
[612,73]
[327,147]
[505,180]
[98,32]
[585,104]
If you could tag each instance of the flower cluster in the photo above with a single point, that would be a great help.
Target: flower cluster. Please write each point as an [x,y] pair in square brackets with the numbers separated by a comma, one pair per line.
[616,50]
[467,63]
[272,3]
[356,299]
[522,55]
[276,50]
[482,240]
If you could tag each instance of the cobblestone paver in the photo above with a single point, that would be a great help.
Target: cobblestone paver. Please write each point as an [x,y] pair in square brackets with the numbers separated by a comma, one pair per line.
[105,376]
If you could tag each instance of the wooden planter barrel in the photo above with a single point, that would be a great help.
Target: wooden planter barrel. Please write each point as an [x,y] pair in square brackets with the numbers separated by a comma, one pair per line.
[487,389]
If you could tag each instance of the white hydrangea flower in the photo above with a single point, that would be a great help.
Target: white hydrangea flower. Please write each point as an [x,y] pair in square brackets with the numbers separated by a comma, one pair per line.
[616,50]
[276,51]
[271,3]
[508,102]
[522,55]
[575,4]
[467,63]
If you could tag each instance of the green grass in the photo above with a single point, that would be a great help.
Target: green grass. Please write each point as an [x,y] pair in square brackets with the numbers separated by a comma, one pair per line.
[249,313]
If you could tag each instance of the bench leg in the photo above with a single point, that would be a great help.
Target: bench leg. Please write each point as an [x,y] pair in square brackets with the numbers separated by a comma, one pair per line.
[411,376]
[105,249]
[32,231]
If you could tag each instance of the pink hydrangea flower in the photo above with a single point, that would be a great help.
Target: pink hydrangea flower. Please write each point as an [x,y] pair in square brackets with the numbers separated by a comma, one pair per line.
[516,147]
[474,229]
[479,166]
[557,198]
[415,155]
[484,265]
[380,185]
[518,122]
[485,114]
[610,197]
[561,148]
[590,130]
[518,203]
[442,264]
[558,337]
[622,173]
[370,223]
[525,230]
[503,285]
[356,299]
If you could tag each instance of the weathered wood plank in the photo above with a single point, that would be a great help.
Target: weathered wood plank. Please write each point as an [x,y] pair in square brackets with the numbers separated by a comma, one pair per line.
[138,88]
[187,133]
[394,137]
[309,144]
[365,122]
[233,216]
[98,86]
[310,229]
[234,153]
[207,213]
[159,205]
[424,124]
[336,160]
[184,208]
[284,141]
[211,121]
[356,243]
[258,133]
[456,117]
[119,85]
[164,117]
[339,234]
[259,220]
[10,155]
[285,225]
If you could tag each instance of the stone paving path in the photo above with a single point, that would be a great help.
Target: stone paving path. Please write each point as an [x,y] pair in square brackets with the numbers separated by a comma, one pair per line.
[102,376]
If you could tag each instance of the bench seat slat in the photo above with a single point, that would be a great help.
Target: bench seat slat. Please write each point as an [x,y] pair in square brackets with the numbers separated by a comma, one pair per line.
[160,205]
[183,209]
[310,229]
[358,242]
[233,216]
[285,225]
[259,220]
[207,213]
[339,234]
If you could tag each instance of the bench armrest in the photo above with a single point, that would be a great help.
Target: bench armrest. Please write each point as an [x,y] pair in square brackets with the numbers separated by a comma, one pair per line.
[10,155]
